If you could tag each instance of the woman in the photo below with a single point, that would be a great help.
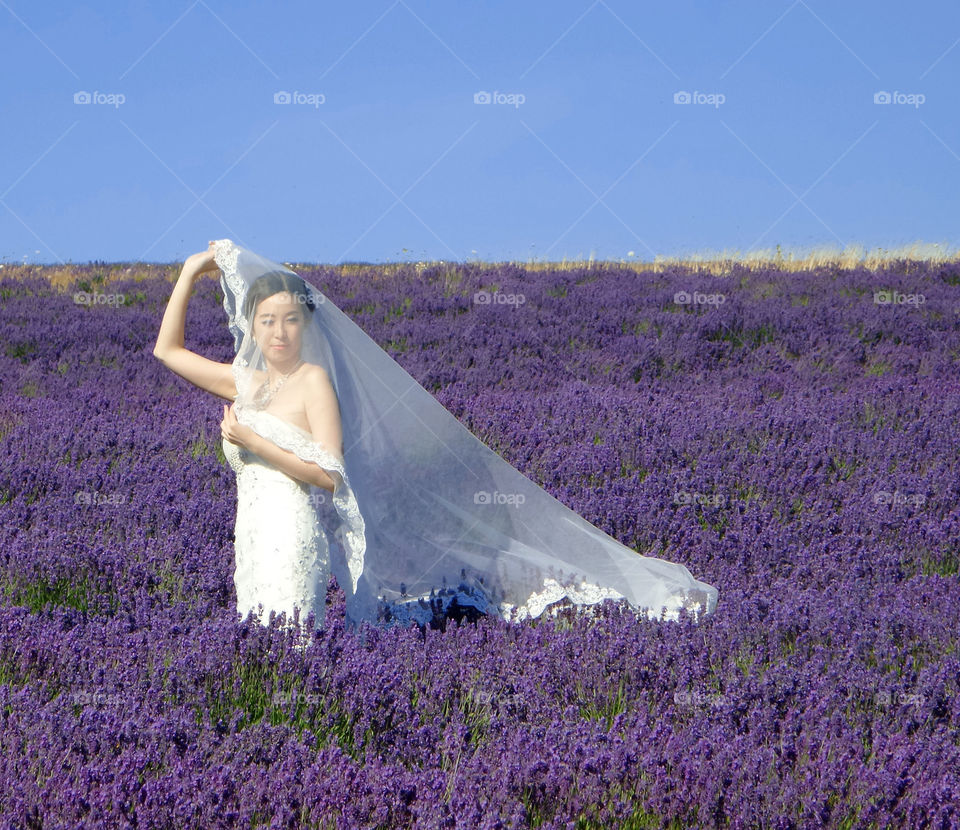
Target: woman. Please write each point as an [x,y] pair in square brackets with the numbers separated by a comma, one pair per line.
[282,558]
[430,522]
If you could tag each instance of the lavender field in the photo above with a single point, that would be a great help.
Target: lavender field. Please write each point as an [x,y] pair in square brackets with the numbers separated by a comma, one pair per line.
[791,437]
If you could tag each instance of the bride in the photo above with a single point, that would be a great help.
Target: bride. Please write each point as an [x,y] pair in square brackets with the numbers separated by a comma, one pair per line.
[282,555]
[325,431]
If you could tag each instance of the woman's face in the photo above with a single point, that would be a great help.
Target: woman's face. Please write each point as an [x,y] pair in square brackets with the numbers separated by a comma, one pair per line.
[278,327]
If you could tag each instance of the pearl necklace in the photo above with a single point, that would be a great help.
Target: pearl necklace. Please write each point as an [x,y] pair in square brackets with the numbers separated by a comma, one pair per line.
[265,394]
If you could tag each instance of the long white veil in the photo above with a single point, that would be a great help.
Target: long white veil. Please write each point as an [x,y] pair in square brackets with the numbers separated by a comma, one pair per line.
[429,519]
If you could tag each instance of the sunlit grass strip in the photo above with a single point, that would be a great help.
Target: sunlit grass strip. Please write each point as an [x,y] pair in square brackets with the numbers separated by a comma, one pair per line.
[711,262]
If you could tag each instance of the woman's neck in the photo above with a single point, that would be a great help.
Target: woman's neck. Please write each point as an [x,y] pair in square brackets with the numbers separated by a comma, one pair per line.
[275,371]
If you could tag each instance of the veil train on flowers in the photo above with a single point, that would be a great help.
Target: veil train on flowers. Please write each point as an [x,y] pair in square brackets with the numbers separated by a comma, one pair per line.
[429,519]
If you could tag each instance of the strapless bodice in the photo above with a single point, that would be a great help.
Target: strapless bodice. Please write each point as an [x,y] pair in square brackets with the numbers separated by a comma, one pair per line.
[239,458]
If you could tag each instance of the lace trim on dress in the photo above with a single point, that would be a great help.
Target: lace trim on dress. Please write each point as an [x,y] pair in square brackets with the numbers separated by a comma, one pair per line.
[553,591]
[554,597]
[352,533]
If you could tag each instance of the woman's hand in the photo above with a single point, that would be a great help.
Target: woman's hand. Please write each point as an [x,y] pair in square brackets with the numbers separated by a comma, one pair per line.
[202,262]
[233,430]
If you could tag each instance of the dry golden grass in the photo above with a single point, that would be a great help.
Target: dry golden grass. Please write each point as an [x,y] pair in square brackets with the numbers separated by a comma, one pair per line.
[717,263]
[850,257]
[64,276]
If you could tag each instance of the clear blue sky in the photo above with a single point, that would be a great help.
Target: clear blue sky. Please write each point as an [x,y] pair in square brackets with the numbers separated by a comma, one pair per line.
[384,155]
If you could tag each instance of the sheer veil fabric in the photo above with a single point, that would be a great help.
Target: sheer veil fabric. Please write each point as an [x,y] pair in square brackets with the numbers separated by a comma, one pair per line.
[427,518]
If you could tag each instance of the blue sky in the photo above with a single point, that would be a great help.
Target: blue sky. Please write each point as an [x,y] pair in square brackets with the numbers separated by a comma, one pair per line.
[381,151]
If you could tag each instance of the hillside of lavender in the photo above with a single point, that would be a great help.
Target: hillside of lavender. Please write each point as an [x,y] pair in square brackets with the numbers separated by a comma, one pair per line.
[791,437]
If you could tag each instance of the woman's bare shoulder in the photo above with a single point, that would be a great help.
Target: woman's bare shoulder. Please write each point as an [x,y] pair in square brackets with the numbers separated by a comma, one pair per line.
[315,386]
[315,372]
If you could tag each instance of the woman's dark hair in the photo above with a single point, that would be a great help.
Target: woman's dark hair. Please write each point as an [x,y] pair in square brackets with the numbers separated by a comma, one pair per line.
[276,282]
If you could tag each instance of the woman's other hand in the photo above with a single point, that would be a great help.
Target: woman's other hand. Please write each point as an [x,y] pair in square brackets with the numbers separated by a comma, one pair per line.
[233,430]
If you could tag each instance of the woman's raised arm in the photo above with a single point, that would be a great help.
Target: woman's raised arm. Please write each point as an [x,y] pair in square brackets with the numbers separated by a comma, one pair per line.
[169,349]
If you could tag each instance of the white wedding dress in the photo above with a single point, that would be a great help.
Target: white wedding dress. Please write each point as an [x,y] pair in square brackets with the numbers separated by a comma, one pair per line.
[282,553]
